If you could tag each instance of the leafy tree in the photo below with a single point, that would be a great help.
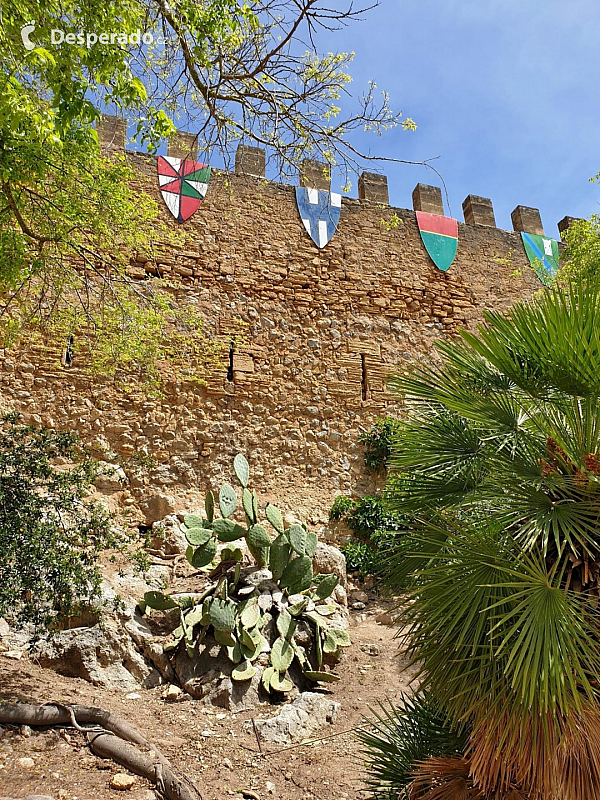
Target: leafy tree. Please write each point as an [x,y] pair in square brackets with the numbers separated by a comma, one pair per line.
[69,220]
[50,536]
[502,447]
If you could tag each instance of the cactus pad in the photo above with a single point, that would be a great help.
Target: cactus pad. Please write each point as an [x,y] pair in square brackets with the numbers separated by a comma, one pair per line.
[241,469]
[297,576]
[282,654]
[273,514]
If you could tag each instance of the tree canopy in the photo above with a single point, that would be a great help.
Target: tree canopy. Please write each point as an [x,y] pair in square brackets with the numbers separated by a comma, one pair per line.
[227,70]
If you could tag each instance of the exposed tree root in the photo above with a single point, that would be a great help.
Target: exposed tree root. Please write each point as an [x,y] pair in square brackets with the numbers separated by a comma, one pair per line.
[109,737]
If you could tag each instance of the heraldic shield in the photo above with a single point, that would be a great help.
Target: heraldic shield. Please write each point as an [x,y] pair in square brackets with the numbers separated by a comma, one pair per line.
[543,255]
[440,237]
[320,213]
[183,184]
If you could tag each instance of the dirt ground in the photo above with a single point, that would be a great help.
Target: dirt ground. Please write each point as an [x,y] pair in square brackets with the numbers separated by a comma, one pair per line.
[216,749]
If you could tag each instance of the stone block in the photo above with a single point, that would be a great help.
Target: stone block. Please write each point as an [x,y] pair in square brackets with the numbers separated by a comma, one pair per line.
[374,188]
[315,174]
[183,145]
[478,211]
[250,160]
[527,220]
[112,132]
[565,224]
[428,198]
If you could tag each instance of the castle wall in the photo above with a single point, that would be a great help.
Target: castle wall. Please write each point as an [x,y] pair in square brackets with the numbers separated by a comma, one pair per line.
[323,330]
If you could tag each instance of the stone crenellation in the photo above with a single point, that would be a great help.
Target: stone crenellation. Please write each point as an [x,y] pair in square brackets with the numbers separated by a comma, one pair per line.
[324,329]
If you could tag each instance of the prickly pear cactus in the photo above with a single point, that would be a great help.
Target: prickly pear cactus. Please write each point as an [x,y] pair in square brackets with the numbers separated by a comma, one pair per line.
[240,600]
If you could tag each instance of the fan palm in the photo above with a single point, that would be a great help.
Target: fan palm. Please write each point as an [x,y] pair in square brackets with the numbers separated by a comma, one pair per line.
[500,459]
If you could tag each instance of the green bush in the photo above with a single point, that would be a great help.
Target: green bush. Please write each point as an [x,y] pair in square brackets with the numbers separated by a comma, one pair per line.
[376,531]
[49,536]
[379,442]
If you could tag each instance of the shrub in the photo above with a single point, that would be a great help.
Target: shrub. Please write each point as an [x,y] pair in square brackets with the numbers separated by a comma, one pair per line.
[379,442]
[49,536]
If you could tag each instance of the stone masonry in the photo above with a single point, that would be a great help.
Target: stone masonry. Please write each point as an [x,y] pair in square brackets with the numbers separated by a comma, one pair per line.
[324,329]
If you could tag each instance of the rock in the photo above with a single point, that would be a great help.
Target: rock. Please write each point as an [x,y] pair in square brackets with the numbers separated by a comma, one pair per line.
[359,597]
[4,627]
[206,676]
[357,606]
[157,507]
[104,655]
[340,596]
[371,649]
[167,536]
[122,781]
[31,797]
[270,787]
[133,696]
[329,559]
[26,763]
[172,693]
[298,720]
[112,478]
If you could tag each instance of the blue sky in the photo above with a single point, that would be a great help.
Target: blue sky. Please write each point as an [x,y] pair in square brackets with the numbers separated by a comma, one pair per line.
[503,91]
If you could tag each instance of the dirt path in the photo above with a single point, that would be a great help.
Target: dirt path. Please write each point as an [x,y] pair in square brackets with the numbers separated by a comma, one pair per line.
[216,749]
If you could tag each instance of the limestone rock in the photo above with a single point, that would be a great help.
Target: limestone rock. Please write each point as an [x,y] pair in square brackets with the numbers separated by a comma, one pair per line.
[111,479]
[329,559]
[122,781]
[157,507]
[104,655]
[298,720]
[167,536]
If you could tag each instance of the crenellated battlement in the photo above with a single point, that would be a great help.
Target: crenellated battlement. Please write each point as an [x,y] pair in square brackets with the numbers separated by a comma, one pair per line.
[372,187]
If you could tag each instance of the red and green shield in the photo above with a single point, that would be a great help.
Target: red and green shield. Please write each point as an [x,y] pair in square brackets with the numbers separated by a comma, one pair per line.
[183,184]
[440,237]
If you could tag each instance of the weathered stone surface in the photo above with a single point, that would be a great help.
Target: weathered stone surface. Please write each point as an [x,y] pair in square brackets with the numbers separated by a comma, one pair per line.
[111,479]
[299,720]
[104,655]
[367,302]
[167,536]
[329,559]
[157,507]
[122,781]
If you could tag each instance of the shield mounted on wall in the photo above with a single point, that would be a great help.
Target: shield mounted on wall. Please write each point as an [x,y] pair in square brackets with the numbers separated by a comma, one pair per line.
[319,212]
[183,184]
[542,253]
[440,237]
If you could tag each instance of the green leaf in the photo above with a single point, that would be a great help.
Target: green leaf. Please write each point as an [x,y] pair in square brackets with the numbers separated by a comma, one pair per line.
[209,506]
[279,556]
[160,601]
[228,531]
[194,616]
[326,586]
[222,614]
[266,677]
[205,554]
[297,538]
[311,544]
[193,521]
[279,682]
[198,536]
[286,625]
[225,638]
[334,639]
[282,654]
[242,469]
[227,500]
[247,502]
[273,514]
[235,653]
[297,576]
[258,537]
[321,677]
[251,613]
[243,672]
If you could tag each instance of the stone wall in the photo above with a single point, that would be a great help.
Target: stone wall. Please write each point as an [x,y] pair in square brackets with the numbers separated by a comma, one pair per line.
[323,330]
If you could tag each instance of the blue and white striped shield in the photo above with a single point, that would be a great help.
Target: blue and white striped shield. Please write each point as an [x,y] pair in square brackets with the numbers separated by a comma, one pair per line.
[320,213]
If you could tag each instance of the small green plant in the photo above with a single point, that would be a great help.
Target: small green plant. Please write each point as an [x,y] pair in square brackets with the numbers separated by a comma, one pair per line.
[50,537]
[235,612]
[375,530]
[378,442]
